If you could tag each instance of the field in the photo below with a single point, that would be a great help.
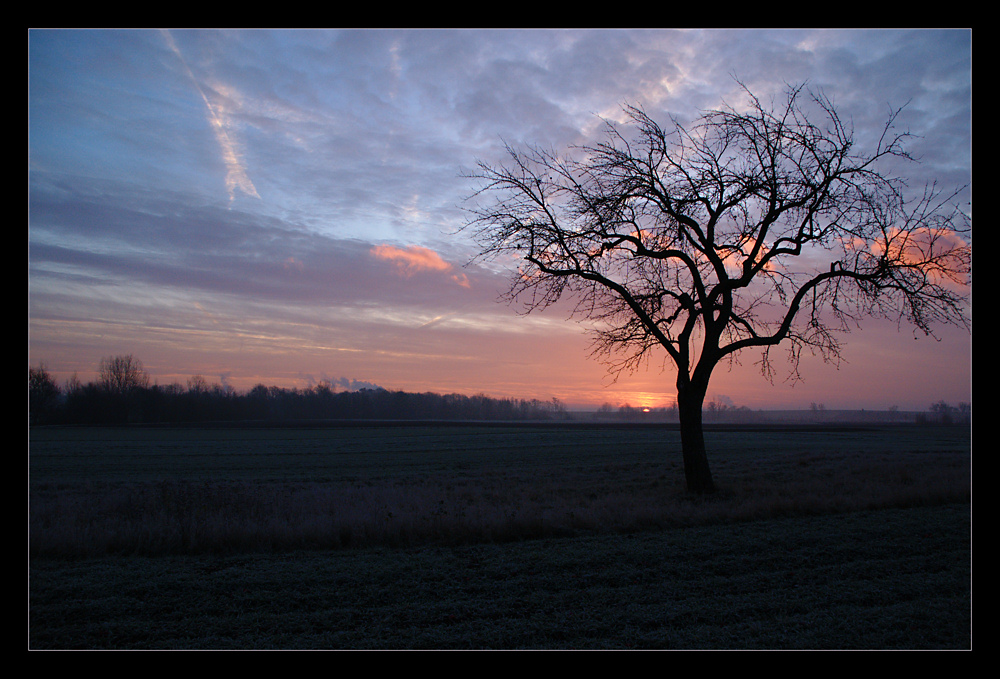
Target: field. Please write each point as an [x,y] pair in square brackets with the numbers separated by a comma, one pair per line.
[555,536]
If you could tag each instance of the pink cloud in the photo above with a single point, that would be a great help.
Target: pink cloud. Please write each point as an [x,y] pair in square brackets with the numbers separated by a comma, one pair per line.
[411,259]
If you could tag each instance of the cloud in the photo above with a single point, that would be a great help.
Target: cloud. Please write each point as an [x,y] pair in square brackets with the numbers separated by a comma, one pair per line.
[416,259]
[412,259]
[219,118]
[346,384]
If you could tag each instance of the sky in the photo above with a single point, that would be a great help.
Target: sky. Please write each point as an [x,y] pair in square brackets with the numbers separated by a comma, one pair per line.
[286,206]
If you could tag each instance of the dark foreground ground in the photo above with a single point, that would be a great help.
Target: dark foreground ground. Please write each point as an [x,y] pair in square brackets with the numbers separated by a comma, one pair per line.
[887,579]
[487,538]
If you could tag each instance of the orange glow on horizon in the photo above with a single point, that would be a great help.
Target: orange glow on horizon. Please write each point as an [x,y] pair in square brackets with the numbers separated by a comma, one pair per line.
[523,361]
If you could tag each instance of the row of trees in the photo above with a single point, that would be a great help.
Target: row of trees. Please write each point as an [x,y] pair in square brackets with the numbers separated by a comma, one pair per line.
[123,394]
[945,413]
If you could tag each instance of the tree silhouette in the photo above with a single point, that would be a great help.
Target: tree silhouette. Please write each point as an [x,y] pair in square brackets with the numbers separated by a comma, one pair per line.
[122,375]
[755,227]
[43,394]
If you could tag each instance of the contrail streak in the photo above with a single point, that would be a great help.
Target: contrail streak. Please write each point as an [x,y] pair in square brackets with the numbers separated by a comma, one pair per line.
[236,176]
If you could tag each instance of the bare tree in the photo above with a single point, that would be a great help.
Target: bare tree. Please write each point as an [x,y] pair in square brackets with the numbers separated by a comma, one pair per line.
[43,394]
[122,374]
[754,227]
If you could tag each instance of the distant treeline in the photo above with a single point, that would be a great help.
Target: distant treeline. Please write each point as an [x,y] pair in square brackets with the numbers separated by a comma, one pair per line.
[129,399]
[122,394]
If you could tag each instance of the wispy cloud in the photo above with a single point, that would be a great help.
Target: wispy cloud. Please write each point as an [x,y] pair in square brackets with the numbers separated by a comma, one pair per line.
[219,119]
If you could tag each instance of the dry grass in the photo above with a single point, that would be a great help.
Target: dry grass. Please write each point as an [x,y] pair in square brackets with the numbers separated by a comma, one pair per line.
[447,500]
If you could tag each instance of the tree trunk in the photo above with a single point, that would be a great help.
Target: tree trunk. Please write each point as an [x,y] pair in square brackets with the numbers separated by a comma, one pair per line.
[689,404]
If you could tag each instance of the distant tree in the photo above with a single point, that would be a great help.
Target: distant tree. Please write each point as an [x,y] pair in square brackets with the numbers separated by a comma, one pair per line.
[943,410]
[324,389]
[43,394]
[759,226]
[122,374]
[73,384]
[197,384]
[122,382]
[558,407]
